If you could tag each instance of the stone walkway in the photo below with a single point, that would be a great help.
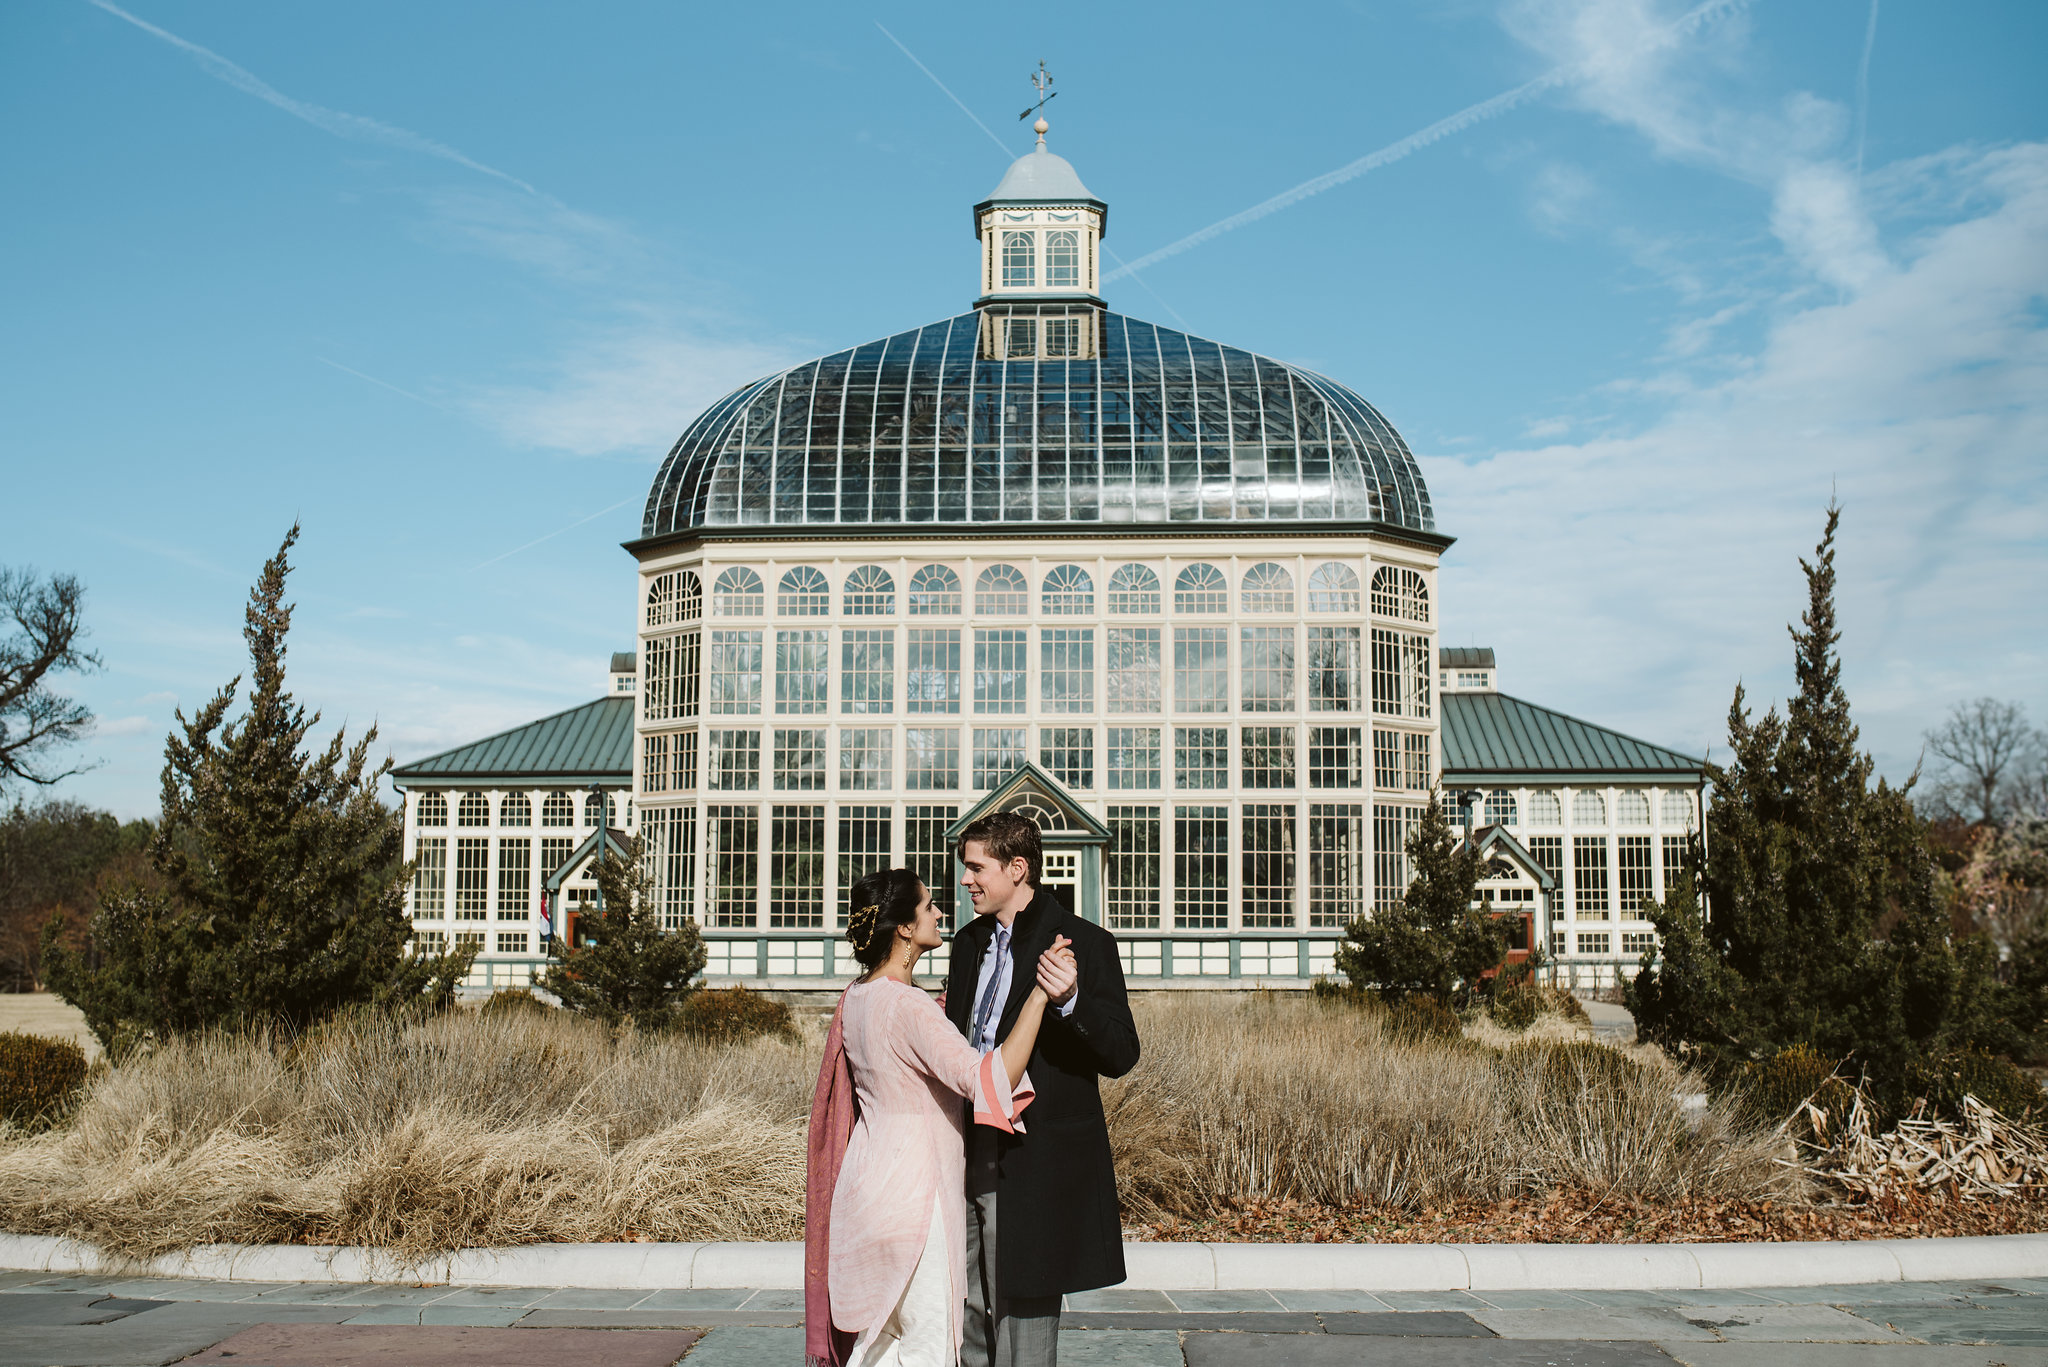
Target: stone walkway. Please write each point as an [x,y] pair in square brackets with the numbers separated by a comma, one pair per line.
[58,1321]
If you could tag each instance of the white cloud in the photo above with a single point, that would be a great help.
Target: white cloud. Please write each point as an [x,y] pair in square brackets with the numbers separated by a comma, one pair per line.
[631,391]
[121,726]
[1921,395]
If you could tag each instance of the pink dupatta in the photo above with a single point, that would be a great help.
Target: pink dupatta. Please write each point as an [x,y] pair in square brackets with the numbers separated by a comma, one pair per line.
[834,1109]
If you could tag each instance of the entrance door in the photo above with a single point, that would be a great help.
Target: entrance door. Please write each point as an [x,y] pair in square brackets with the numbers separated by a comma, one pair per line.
[1061,873]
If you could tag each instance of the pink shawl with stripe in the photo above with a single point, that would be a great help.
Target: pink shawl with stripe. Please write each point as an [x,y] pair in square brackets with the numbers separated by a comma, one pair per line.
[834,1109]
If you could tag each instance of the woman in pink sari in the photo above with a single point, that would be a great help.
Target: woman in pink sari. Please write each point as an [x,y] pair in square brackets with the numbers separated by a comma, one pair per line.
[885,1213]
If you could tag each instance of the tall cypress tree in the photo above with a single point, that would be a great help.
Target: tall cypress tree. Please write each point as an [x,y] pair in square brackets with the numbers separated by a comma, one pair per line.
[283,873]
[1825,925]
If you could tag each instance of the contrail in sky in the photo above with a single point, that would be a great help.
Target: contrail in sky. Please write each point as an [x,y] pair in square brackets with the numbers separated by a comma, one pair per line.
[1863,86]
[333,121]
[351,370]
[553,534]
[1396,151]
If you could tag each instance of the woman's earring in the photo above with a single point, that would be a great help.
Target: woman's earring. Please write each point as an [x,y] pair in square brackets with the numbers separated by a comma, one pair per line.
[909,953]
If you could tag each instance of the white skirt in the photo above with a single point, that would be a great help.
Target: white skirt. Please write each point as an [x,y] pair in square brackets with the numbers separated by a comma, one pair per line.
[919,1331]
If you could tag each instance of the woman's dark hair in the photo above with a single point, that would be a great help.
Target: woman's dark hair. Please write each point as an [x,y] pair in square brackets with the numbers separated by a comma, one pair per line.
[880,902]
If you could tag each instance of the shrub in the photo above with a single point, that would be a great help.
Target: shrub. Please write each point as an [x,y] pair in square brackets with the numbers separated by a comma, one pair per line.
[1772,1089]
[514,999]
[1567,1069]
[1972,1072]
[1424,1018]
[1516,1006]
[38,1076]
[729,1014]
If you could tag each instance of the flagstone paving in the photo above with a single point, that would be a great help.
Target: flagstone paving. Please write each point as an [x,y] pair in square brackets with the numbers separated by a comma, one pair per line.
[87,1321]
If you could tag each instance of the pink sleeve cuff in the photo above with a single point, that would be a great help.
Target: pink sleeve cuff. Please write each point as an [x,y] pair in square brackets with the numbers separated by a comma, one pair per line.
[996,1103]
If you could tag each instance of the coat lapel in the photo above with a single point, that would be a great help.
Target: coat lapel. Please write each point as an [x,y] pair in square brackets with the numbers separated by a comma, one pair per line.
[1030,935]
[970,943]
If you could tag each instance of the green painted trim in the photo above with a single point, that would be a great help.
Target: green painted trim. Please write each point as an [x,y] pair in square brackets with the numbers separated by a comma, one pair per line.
[787,534]
[1568,778]
[612,779]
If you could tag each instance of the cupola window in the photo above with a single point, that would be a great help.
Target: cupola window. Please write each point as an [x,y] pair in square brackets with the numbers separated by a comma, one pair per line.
[1020,338]
[1063,259]
[1020,264]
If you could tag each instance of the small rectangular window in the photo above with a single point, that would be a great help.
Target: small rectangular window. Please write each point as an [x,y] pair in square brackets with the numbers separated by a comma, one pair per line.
[1637,943]
[515,879]
[1400,673]
[1132,871]
[1336,757]
[1201,868]
[1632,875]
[1066,669]
[472,879]
[1268,864]
[1268,668]
[1266,756]
[1133,758]
[800,761]
[863,849]
[735,671]
[683,754]
[1068,754]
[430,877]
[1201,669]
[867,672]
[1593,942]
[933,682]
[925,850]
[1020,338]
[1548,852]
[998,752]
[1201,757]
[1393,869]
[732,847]
[802,666]
[512,942]
[1677,849]
[1062,338]
[1133,669]
[864,759]
[796,868]
[735,761]
[931,759]
[1589,877]
[1335,675]
[1000,671]
[654,764]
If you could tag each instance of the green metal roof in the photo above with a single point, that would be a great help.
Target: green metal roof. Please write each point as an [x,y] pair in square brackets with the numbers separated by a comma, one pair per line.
[591,741]
[1494,734]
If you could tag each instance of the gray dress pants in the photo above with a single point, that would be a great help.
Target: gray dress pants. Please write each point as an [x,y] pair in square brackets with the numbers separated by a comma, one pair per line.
[1000,1331]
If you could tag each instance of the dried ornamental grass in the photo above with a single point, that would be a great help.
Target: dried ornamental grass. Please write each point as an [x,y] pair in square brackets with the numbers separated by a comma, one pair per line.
[1984,1156]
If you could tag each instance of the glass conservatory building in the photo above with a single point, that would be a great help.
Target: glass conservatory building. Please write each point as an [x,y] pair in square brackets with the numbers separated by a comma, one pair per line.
[1175,599]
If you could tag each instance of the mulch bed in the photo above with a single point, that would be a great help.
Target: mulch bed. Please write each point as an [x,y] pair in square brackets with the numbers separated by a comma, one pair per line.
[1585,1218]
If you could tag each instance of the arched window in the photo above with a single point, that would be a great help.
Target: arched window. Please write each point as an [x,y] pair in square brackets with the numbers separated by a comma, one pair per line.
[934,592]
[870,592]
[677,597]
[803,593]
[1020,267]
[1333,587]
[558,809]
[1133,589]
[599,809]
[1544,810]
[1063,259]
[1632,807]
[430,809]
[515,810]
[1069,591]
[1400,593]
[1001,592]
[1200,588]
[1500,807]
[1676,809]
[474,811]
[738,593]
[1268,588]
[1588,808]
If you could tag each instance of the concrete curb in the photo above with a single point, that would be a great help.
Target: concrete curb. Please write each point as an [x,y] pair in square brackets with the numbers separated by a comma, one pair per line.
[1152,1266]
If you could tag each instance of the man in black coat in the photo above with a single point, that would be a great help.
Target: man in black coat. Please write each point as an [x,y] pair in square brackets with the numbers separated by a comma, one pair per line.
[1054,1185]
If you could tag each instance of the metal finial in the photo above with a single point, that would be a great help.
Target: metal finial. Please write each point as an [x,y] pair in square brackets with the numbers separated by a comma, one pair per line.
[1041,81]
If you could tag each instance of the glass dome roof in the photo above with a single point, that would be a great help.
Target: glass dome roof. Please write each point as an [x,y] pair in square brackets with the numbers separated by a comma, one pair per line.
[918,430]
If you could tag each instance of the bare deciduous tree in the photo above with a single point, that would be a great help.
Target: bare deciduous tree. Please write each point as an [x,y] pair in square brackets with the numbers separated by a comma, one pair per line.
[1984,746]
[34,720]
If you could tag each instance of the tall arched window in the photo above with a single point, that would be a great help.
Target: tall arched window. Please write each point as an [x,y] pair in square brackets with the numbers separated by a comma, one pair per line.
[1500,808]
[430,810]
[803,593]
[1020,266]
[1400,593]
[870,592]
[738,593]
[1632,807]
[934,592]
[474,811]
[1333,587]
[1200,588]
[1544,810]
[1268,588]
[1001,592]
[677,597]
[1063,259]
[1069,591]
[1133,589]
[515,810]
[558,809]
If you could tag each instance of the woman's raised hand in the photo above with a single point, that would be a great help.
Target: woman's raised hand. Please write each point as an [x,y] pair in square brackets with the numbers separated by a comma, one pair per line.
[1057,972]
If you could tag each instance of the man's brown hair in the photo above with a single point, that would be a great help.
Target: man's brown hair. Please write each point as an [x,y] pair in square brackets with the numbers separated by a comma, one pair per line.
[1008,836]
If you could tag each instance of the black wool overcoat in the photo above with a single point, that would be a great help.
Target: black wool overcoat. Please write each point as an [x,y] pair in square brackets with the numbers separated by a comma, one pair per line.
[1058,1228]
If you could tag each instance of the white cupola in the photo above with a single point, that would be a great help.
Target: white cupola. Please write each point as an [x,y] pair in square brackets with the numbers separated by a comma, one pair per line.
[1041,232]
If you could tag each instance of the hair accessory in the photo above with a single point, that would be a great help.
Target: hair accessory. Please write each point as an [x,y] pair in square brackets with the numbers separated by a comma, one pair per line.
[860,927]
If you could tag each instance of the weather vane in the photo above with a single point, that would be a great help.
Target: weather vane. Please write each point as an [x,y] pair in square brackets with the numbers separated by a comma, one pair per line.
[1041,81]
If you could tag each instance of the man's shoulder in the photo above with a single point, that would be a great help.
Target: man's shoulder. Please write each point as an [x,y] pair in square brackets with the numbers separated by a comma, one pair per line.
[1085,932]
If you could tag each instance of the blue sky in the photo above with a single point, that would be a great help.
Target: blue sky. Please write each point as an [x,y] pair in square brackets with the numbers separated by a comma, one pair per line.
[445,281]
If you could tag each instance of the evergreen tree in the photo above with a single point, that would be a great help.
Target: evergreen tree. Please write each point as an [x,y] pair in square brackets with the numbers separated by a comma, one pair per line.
[1826,928]
[1433,942]
[281,890]
[628,970]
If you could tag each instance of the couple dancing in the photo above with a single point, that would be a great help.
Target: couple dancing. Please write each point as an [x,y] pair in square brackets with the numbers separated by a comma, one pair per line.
[943,1222]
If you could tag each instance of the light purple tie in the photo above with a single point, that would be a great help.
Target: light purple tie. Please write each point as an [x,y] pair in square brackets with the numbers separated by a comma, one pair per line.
[1000,947]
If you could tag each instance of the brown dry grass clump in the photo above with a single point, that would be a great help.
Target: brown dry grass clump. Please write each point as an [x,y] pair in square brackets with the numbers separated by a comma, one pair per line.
[516,1127]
